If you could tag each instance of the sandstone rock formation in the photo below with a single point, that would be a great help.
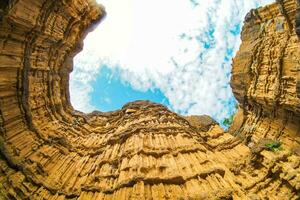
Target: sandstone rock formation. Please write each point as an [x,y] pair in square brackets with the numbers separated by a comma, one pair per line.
[144,151]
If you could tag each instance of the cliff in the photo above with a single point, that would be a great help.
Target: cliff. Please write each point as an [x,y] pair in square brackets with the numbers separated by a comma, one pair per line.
[144,151]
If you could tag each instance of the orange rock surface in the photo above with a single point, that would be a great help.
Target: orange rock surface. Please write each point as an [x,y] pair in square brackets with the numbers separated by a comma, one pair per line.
[144,151]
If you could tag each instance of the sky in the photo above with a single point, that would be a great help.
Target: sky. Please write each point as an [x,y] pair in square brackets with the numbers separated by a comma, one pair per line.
[174,52]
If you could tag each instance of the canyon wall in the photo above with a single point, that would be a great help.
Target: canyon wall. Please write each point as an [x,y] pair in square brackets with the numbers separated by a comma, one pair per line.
[144,151]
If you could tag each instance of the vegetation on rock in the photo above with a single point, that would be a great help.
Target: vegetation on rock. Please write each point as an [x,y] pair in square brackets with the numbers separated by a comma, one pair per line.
[274,145]
[228,121]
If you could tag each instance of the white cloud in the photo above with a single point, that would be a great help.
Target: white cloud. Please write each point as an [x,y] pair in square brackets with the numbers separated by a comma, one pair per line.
[171,45]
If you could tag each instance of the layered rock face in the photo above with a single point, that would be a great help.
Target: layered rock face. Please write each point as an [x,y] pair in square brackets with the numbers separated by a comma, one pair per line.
[144,151]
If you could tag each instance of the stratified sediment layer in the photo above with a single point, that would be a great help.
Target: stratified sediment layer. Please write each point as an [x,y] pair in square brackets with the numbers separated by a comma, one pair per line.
[144,151]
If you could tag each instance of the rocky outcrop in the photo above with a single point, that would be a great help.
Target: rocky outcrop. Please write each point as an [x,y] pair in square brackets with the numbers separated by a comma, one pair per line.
[144,151]
[265,75]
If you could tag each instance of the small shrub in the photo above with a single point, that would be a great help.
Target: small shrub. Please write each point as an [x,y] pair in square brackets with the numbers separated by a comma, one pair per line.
[228,121]
[273,146]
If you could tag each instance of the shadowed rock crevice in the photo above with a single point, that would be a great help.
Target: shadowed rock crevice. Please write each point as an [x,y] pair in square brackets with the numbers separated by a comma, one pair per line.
[144,151]
[3,5]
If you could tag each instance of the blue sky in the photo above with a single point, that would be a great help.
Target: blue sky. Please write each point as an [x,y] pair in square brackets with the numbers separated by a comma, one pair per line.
[177,53]
[111,93]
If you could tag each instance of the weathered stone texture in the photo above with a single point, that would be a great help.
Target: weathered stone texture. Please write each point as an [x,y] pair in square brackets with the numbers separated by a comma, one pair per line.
[143,151]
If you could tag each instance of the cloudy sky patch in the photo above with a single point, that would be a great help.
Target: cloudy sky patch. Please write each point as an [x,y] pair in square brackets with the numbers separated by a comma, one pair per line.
[178,50]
